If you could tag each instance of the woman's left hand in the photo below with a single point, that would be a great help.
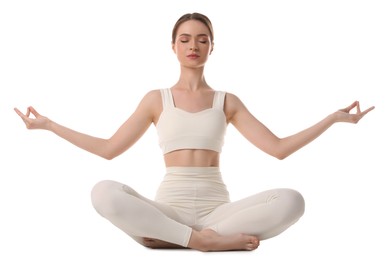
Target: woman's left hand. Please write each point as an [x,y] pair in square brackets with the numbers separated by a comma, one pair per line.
[344,115]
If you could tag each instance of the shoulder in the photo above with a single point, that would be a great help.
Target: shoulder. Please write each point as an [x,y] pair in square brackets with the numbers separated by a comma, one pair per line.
[229,97]
[151,100]
[153,93]
[151,96]
[233,104]
[232,100]
[150,105]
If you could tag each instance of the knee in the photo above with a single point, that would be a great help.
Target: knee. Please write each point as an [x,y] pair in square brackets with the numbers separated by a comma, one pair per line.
[103,195]
[295,203]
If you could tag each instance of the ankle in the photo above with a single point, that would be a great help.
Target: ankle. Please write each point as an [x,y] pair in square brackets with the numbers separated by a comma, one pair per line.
[199,241]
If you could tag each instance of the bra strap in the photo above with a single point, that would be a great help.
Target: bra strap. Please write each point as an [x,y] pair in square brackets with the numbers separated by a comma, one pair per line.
[167,97]
[219,98]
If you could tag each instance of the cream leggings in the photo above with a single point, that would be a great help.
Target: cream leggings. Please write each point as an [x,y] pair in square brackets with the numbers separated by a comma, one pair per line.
[195,198]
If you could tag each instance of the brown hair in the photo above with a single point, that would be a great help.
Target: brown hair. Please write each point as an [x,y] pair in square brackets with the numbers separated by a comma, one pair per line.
[193,16]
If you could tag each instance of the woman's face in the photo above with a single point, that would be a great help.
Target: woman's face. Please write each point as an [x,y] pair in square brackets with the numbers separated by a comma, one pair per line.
[193,44]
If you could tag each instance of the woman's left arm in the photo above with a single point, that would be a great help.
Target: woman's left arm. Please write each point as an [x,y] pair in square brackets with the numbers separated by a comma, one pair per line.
[258,134]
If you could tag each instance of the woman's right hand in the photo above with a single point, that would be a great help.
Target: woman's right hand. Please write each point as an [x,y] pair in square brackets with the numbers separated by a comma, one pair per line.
[39,122]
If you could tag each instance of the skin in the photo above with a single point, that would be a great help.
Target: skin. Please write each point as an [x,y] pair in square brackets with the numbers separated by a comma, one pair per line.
[192,93]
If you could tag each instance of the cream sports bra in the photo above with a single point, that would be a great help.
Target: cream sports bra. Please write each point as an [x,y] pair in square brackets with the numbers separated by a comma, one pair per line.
[179,129]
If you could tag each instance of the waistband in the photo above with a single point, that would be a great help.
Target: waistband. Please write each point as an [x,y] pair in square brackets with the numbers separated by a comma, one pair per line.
[193,173]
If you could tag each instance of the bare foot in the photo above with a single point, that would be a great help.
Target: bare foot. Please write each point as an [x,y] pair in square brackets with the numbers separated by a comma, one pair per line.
[159,244]
[209,240]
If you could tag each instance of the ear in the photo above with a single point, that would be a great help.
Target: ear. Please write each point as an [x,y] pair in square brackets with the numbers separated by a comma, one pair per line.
[173,47]
[211,50]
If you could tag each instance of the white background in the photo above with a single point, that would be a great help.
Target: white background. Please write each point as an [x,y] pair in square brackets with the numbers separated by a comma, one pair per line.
[87,64]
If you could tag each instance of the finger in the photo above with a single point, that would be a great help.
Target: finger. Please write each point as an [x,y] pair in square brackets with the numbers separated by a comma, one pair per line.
[358,108]
[17,110]
[25,118]
[19,113]
[367,110]
[34,112]
[360,115]
[348,108]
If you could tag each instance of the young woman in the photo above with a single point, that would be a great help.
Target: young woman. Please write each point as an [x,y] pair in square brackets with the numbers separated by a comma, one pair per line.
[192,208]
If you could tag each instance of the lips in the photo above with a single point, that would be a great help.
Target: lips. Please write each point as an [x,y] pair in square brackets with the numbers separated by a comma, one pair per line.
[193,56]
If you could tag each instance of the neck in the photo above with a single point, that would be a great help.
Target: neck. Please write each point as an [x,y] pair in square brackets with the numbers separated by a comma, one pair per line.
[192,79]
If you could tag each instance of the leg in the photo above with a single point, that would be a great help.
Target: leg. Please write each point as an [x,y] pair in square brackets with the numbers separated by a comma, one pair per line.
[263,215]
[198,191]
[159,244]
[138,216]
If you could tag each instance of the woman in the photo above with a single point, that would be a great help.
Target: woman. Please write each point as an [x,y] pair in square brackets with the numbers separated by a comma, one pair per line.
[192,207]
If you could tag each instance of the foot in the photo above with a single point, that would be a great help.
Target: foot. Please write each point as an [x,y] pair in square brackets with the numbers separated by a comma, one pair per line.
[209,240]
[159,244]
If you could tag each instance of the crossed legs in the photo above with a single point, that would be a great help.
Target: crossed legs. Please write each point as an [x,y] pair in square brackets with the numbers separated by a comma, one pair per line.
[264,215]
[233,226]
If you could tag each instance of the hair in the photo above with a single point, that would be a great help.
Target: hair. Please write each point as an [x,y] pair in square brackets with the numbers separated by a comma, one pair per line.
[193,16]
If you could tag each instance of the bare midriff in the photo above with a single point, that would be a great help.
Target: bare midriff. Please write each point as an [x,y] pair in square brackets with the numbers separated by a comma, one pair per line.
[192,158]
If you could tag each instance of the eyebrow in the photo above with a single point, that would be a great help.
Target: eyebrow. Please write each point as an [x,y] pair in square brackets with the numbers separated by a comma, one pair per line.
[189,35]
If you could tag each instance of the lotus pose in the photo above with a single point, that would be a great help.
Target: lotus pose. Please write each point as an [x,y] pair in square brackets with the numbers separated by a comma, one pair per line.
[192,208]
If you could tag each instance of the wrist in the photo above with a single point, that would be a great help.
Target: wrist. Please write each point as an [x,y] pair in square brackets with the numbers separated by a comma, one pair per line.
[333,118]
[49,125]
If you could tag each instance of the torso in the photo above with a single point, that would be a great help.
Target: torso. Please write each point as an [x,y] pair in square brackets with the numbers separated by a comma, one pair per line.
[191,102]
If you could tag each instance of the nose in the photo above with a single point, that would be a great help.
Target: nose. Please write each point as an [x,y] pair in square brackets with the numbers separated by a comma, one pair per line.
[194,47]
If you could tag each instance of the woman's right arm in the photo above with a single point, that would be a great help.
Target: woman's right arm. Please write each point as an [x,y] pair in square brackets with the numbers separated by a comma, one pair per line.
[128,133]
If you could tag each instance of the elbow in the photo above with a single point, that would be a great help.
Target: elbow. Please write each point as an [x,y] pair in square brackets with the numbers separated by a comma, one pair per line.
[281,151]
[109,152]
[108,156]
[281,156]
